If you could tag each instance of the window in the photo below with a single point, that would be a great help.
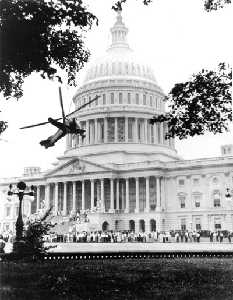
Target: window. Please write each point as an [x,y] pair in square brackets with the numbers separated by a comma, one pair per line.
[129,98]
[182,201]
[198,224]
[216,196]
[181,182]
[151,101]
[144,99]
[217,224]
[183,224]
[104,99]
[130,129]
[197,200]
[120,98]
[158,133]
[217,203]
[101,132]
[137,98]
[215,180]
[8,211]
[152,134]
[196,181]
[112,98]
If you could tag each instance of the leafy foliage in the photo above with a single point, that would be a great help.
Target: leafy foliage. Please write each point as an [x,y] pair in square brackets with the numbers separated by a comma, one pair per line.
[215,4]
[202,104]
[209,5]
[3,126]
[41,36]
[33,242]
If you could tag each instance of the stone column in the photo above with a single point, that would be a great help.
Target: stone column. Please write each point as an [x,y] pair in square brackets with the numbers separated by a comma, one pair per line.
[74,197]
[126,195]
[102,195]
[111,195]
[137,195]
[145,131]
[136,131]
[56,198]
[96,131]
[158,194]
[126,129]
[116,130]
[105,130]
[65,199]
[92,193]
[38,198]
[117,194]
[147,194]
[162,193]
[47,194]
[87,133]
[83,195]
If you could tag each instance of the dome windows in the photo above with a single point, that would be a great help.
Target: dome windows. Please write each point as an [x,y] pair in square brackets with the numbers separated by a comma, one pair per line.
[137,99]
[144,99]
[112,98]
[129,98]
[104,99]
[120,98]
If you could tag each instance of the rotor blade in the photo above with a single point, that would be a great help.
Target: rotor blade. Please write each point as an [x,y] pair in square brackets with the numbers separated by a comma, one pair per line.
[44,123]
[34,125]
[61,103]
[82,106]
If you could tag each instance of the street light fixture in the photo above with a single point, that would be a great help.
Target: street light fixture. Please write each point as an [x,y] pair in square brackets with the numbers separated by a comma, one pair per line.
[21,187]
[228,194]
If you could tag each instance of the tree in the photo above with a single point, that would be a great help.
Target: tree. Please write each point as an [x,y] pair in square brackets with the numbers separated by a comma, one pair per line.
[209,5]
[32,244]
[201,104]
[41,36]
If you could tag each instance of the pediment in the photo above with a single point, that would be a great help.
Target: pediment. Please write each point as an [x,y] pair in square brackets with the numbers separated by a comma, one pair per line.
[77,167]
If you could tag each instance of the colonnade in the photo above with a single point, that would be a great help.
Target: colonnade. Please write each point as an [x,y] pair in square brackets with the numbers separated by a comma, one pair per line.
[118,130]
[128,195]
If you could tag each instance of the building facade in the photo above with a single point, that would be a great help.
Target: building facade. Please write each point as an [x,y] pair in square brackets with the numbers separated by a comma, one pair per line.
[125,172]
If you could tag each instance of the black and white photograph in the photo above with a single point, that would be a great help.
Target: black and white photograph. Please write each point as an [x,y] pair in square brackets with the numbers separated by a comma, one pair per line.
[116,150]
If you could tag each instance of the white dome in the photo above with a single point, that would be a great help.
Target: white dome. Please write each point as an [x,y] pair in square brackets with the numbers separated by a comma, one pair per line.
[119,61]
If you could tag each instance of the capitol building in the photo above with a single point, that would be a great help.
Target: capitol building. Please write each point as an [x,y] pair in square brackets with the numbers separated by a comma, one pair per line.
[125,173]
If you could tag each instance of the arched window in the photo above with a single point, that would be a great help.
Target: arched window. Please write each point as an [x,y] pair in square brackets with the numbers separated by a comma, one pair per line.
[105,226]
[137,99]
[142,225]
[132,225]
[117,223]
[151,101]
[197,199]
[216,198]
[120,98]
[152,225]
[182,198]
[129,98]
[144,99]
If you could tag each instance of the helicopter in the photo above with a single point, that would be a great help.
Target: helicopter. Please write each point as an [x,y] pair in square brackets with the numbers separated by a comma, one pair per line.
[68,126]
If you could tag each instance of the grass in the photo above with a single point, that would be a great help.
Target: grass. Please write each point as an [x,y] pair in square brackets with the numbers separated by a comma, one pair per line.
[177,279]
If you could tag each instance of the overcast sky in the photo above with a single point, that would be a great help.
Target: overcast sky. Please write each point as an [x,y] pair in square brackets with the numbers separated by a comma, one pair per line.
[177,37]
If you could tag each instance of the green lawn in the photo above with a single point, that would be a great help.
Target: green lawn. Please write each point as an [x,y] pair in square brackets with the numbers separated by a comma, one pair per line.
[176,279]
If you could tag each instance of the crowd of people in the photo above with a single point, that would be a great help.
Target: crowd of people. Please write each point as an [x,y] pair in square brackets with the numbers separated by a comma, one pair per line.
[145,237]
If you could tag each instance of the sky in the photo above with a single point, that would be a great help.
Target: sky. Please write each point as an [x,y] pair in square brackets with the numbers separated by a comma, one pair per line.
[177,38]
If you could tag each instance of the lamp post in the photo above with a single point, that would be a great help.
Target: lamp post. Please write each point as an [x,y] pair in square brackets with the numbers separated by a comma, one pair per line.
[21,186]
